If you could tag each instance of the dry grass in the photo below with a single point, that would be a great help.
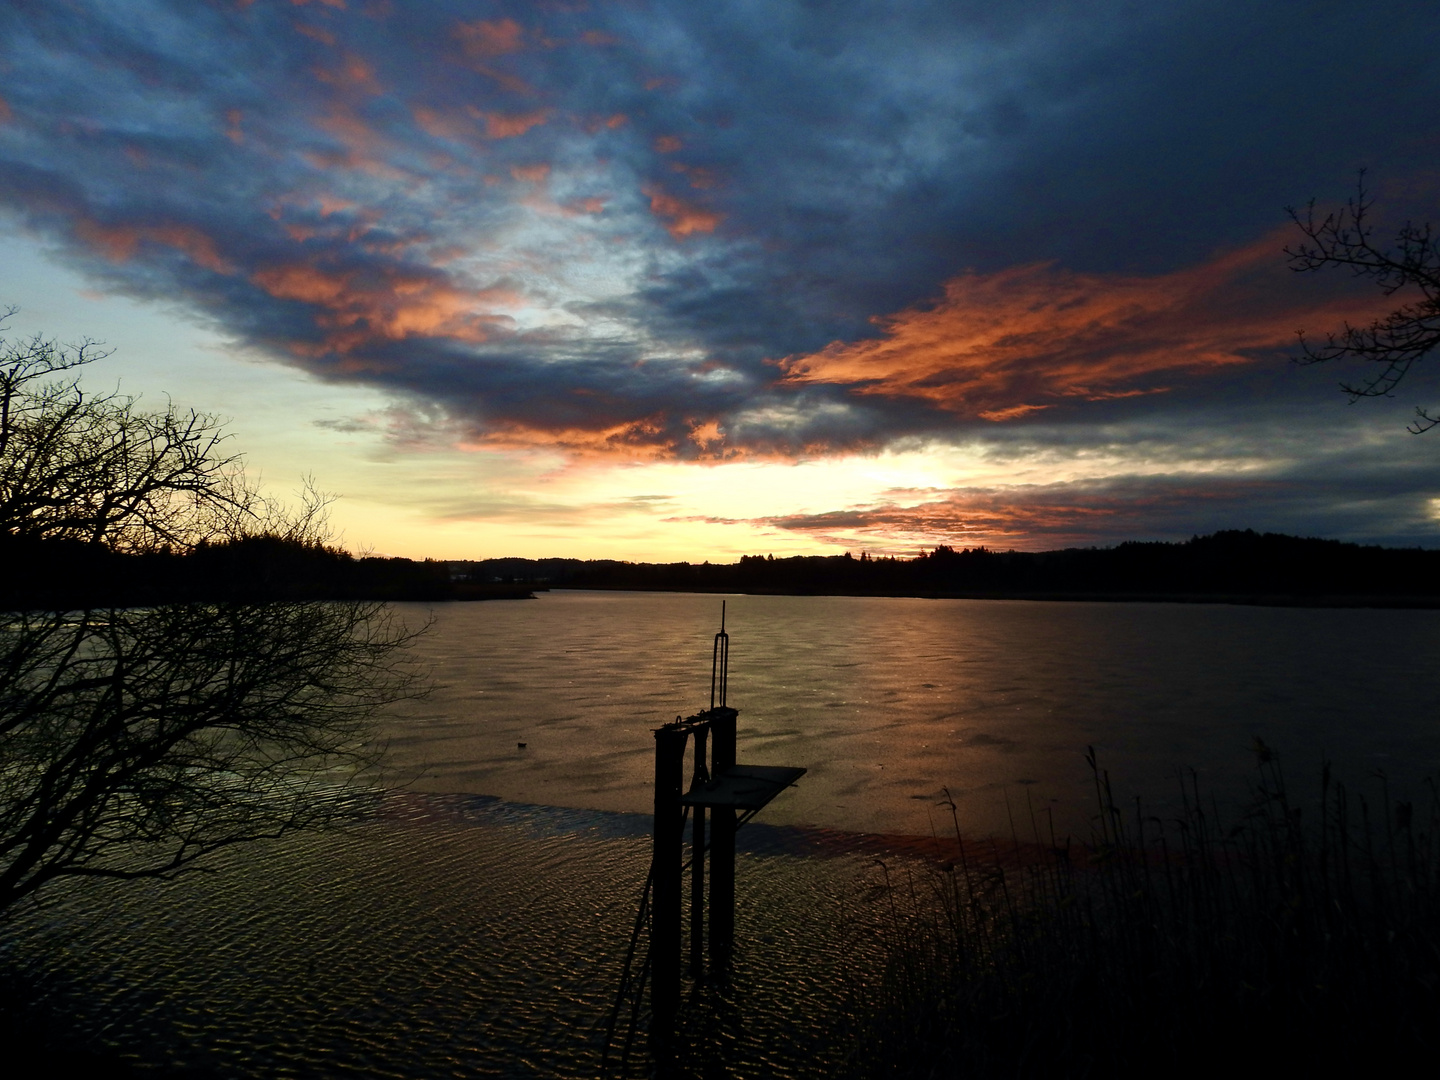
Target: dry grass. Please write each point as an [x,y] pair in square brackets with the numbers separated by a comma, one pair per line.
[1281,940]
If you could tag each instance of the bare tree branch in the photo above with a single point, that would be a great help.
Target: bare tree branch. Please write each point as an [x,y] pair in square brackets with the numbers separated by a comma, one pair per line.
[1396,342]
[133,742]
[101,470]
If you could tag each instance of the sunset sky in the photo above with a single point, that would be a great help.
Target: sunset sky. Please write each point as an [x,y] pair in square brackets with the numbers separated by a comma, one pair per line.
[657,279]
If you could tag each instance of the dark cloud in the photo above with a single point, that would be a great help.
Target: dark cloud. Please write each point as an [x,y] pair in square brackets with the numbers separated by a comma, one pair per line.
[605,227]
[1379,506]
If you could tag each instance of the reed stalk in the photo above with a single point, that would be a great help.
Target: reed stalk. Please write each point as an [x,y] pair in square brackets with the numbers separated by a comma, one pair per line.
[1293,936]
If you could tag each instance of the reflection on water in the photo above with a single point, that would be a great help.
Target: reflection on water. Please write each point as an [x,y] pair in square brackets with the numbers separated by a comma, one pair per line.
[454,937]
[887,700]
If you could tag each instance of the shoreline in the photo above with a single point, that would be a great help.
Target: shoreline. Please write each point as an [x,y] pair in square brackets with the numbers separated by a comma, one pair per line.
[1239,599]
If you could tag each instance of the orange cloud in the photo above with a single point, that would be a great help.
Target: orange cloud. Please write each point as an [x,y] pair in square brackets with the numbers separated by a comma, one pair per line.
[707,434]
[512,83]
[640,440]
[233,131]
[1003,345]
[1014,412]
[668,144]
[315,33]
[682,218]
[315,212]
[442,125]
[6,115]
[592,205]
[700,178]
[365,309]
[120,242]
[339,4]
[1019,516]
[364,147]
[354,73]
[532,174]
[494,37]
[592,124]
[503,126]
[461,126]
[332,204]
[324,203]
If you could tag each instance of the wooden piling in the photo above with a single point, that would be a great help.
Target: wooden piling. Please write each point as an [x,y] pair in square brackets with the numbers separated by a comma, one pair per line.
[722,789]
[722,849]
[669,833]
[700,774]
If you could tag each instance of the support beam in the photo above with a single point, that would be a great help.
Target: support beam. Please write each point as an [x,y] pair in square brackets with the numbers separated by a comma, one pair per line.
[700,775]
[667,860]
[722,849]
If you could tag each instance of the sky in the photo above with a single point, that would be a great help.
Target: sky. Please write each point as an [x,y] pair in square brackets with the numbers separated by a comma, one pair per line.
[651,279]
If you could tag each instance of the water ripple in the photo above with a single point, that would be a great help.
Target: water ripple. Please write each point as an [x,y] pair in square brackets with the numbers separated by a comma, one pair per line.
[450,936]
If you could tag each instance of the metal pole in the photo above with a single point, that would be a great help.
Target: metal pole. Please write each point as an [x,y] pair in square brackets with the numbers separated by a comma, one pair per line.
[720,663]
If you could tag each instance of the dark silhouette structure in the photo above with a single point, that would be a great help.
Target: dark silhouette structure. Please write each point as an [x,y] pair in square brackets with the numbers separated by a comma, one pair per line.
[1235,566]
[726,793]
[60,574]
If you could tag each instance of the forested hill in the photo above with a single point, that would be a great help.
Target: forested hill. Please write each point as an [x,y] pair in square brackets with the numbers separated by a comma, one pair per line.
[68,575]
[1236,566]
[1245,567]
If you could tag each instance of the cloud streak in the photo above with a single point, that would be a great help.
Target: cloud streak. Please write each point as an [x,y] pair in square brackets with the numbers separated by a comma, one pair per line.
[1004,345]
[1107,511]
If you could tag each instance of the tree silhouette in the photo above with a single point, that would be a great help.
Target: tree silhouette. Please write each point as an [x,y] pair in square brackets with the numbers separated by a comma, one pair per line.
[134,741]
[97,468]
[1395,343]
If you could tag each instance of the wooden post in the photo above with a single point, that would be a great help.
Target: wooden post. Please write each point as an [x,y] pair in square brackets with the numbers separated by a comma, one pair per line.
[722,849]
[667,858]
[697,863]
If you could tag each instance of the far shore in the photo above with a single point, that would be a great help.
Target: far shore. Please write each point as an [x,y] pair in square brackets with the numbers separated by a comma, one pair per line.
[1339,600]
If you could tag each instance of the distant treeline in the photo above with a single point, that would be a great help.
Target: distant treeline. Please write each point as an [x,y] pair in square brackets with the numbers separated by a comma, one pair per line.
[1245,567]
[63,574]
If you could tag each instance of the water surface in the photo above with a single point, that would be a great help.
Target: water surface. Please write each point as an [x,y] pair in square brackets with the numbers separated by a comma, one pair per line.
[448,937]
[887,701]
[477,927]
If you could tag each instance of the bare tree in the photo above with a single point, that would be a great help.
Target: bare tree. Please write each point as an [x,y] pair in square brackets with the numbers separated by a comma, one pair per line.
[99,469]
[1346,238]
[135,741]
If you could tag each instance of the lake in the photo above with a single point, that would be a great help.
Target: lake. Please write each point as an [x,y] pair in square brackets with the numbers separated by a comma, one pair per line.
[478,924]
[888,701]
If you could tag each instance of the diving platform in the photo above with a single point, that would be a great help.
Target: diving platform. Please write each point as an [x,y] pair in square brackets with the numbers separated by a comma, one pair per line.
[743,787]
